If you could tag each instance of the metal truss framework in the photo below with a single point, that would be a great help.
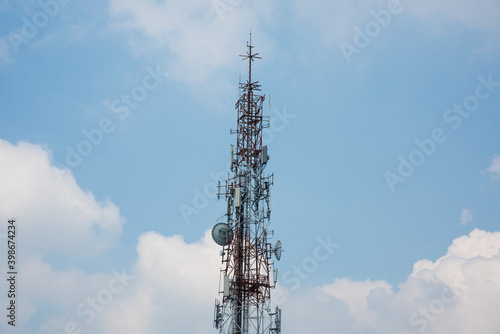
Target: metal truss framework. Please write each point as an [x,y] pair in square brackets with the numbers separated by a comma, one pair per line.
[247,265]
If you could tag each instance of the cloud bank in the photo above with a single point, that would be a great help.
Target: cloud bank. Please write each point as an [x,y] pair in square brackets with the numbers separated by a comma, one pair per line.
[172,285]
[53,212]
[458,293]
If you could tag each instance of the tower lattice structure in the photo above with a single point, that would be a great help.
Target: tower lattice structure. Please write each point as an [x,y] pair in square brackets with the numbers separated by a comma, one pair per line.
[247,275]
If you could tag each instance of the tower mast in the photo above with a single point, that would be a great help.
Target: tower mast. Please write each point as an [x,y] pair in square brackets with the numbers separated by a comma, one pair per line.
[245,307]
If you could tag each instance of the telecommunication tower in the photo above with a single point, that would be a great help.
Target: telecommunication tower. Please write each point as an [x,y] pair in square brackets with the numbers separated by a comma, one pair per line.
[245,279]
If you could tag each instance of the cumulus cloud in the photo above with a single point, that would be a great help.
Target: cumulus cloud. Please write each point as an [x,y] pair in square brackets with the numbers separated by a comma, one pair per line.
[455,294]
[458,293]
[176,283]
[172,287]
[51,295]
[466,216]
[173,283]
[53,212]
[354,295]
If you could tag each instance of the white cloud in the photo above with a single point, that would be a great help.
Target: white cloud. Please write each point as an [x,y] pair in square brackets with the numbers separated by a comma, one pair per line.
[466,216]
[52,211]
[174,287]
[44,289]
[174,283]
[494,169]
[458,293]
[177,281]
[354,295]
[197,44]
[477,244]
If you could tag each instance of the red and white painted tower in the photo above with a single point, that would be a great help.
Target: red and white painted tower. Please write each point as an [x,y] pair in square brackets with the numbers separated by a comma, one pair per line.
[247,275]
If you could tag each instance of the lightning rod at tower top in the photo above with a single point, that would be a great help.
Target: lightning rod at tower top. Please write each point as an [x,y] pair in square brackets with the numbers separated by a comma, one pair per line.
[247,275]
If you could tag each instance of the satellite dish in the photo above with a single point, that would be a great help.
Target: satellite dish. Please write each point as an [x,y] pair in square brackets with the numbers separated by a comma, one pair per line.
[277,250]
[222,234]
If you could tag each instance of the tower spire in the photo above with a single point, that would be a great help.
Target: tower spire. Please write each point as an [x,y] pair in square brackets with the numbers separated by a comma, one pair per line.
[245,306]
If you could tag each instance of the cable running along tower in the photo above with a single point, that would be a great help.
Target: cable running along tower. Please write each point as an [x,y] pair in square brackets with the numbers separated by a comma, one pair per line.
[247,276]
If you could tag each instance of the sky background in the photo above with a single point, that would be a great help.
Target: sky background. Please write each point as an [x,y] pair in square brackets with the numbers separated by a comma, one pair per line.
[384,145]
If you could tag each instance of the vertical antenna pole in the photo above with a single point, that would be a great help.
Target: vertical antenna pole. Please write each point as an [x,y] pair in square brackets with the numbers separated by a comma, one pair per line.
[246,295]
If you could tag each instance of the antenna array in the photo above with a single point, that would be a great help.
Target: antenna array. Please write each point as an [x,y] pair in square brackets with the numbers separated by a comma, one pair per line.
[245,287]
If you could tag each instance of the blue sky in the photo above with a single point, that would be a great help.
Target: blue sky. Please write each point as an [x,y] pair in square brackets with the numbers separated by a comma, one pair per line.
[384,140]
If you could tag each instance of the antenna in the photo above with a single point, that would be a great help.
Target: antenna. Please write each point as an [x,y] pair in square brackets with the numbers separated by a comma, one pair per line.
[269,112]
[231,157]
[222,234]
[245,291]
[277,250]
